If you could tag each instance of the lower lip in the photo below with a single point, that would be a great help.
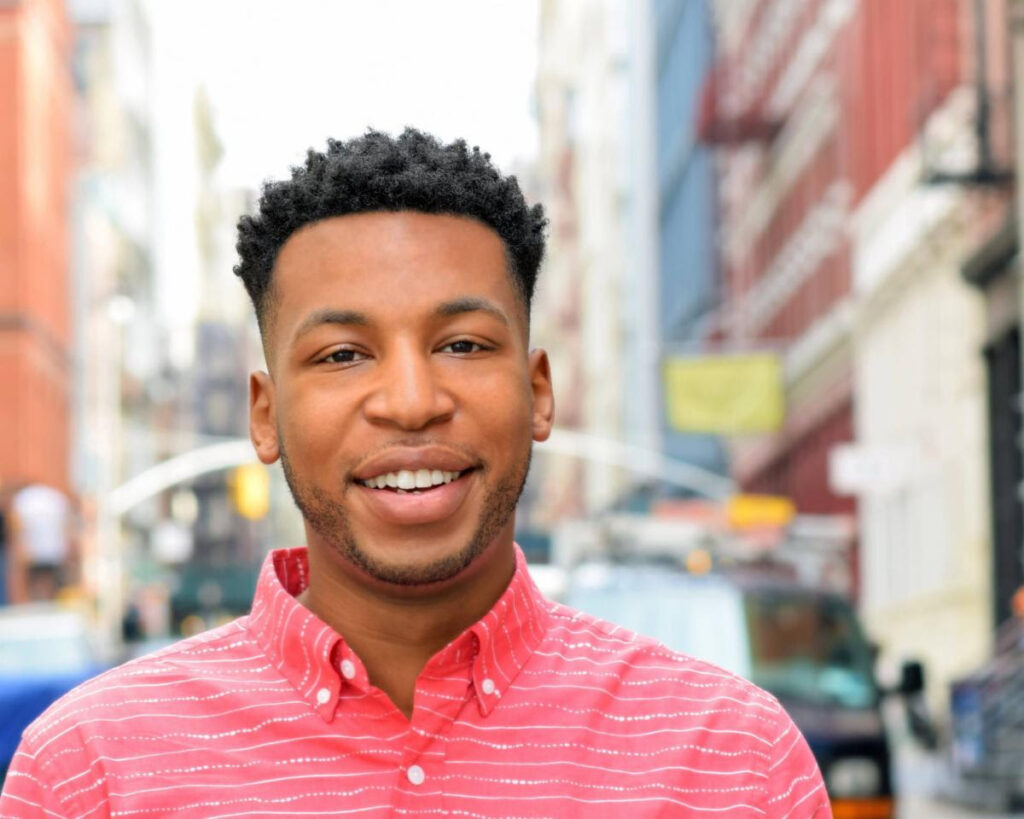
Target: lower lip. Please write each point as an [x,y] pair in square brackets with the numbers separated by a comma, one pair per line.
[412,508]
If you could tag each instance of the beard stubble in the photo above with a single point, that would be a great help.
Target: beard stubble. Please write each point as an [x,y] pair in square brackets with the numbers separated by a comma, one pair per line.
[329,520]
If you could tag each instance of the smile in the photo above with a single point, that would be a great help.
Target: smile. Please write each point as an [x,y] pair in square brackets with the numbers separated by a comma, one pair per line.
[411,480]
[412,497]
[411,486]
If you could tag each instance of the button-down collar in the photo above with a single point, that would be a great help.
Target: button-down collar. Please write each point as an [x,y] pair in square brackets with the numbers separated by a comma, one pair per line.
[314,658]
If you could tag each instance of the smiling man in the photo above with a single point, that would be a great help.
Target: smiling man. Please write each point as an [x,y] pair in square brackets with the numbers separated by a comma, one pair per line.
[403,662]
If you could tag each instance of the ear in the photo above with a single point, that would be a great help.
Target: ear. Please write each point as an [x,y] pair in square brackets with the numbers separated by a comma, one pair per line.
[263,417]
[543,395]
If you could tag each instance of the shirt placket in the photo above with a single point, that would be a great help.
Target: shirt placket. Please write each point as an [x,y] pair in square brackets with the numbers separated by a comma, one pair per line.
[442,692]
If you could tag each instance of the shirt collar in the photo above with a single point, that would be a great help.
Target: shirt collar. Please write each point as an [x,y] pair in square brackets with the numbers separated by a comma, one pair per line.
[311,655]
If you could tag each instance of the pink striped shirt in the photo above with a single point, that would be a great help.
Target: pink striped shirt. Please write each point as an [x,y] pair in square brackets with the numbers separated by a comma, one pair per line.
[536,710]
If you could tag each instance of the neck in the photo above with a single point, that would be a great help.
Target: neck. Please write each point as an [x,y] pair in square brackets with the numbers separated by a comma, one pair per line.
[396,630]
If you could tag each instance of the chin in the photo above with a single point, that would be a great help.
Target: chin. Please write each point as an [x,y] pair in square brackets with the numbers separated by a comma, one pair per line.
[413,565]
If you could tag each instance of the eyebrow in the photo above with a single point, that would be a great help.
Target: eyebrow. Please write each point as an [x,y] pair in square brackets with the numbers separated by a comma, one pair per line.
[354,318]
[471,304]
[328,315]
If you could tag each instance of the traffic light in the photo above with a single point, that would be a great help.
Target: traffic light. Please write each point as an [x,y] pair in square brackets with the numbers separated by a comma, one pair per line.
[249,490]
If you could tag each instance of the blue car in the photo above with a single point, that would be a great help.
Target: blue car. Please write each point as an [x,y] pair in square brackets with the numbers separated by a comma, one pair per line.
[45,651]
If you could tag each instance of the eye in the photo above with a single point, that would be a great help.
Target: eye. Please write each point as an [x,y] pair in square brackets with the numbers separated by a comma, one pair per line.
[343,356]
[462,347]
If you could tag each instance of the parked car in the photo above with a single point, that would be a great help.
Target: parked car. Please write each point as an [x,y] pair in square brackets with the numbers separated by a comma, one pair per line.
[803,645]
[45,651]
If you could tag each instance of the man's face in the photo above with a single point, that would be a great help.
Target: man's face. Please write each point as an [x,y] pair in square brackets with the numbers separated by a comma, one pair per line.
[403,399]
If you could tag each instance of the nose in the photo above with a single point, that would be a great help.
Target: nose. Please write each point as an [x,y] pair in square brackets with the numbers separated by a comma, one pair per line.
[408,393]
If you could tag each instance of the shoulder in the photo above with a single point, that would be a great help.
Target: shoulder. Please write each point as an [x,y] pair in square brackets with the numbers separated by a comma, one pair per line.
[176,677]
[121,716]
[583,638]
[641,698]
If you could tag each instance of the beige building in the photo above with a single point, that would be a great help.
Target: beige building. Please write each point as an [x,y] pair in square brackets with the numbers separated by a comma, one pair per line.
[920,412]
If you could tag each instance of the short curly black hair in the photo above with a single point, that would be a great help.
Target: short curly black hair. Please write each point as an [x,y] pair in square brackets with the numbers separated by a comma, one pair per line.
[378,172]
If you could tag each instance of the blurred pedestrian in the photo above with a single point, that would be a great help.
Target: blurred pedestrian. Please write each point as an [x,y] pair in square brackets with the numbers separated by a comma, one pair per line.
[405,662]
[40,532]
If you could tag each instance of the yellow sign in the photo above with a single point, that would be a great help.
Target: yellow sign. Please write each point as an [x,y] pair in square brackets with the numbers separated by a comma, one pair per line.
[759,511]
[249,487]
[725,394]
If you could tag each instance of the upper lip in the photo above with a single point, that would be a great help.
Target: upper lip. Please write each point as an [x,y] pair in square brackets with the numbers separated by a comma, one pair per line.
[412,458]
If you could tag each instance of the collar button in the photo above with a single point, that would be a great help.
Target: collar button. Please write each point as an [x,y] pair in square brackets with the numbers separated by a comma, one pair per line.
[323,695]
[487,685]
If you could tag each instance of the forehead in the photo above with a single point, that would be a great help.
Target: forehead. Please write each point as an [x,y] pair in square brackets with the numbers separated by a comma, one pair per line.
[387,259]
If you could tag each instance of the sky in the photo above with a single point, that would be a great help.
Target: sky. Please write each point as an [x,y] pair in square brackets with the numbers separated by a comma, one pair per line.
[283,77]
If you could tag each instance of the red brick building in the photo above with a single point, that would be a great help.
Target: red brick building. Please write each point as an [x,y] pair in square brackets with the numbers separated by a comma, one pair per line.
[812,102]
[35,164]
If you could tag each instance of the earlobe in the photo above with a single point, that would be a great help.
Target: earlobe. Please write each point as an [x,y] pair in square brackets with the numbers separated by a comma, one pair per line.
[263,417]
[543,395]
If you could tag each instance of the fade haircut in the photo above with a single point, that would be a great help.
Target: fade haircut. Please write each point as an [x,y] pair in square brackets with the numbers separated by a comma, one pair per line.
[378,172]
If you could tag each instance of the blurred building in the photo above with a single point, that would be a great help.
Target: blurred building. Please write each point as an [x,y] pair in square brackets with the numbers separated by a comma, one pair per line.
[595,305]
[208,544]
[124,394]
[36,361]
[164,338]
[688,284]
[995,270]
[863,150]
[117,351]
[939,192]
[785,195]
[227,547]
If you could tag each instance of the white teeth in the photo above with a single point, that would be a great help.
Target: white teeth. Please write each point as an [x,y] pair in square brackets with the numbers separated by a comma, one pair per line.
[407,479]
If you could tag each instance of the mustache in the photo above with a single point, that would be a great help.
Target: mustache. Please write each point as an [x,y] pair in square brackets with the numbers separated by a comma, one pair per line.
[405,441]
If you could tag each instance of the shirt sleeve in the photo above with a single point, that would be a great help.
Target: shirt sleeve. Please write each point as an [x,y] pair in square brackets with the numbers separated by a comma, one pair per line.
[795,787]
[26,792]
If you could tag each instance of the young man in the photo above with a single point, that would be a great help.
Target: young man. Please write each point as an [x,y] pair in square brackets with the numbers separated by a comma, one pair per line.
[403,663]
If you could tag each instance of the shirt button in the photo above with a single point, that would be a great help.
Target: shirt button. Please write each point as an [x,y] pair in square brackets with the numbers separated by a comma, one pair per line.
[488,685]
[323,695]
[415,774]
[348,669]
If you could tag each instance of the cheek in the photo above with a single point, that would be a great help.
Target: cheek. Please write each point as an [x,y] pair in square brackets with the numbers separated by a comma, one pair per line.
[502,403]
[311,427]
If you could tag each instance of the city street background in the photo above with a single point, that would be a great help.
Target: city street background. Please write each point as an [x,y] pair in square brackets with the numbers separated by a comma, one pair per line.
[781,300]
